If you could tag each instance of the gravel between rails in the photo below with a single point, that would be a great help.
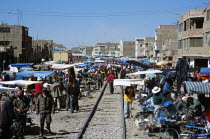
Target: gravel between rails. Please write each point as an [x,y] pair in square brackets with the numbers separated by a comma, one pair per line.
[107,120]
[108,125]
[64,123]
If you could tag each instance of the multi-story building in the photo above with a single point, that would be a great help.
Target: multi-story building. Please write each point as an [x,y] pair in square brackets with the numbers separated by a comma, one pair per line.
[164,34]
[193,37]
[15,44]
[127,48]
[88,50]
[139,49]
[148,46]
[106,49]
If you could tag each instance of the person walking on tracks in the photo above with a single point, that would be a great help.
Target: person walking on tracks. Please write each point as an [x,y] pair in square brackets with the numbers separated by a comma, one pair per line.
[128,98]
[21,106]
[44,107]
[110,80]
[100,79]
[75,92]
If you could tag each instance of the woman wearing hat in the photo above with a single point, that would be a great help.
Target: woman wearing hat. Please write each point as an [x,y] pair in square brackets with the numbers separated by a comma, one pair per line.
[158,97]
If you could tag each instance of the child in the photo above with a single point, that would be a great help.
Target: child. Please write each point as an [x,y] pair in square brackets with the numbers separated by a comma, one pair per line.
[128,98]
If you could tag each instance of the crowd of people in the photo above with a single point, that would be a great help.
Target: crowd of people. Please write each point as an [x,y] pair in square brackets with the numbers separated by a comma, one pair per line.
[62,90]
[47,95]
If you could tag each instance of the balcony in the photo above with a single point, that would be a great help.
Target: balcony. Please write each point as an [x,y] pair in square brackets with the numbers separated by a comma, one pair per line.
[192,33]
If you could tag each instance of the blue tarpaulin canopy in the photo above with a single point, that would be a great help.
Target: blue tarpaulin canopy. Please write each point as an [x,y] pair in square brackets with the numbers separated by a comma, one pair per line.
[85,65]
[123,62]
[145,59]
[99,64]
[22,74]
[205,71]
[88,61]
[20,65]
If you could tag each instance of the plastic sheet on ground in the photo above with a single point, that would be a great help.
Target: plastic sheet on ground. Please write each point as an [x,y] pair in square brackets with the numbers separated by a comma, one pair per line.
[128,82]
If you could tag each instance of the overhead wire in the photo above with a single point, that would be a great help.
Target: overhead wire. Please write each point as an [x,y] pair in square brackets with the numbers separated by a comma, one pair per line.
[109,14]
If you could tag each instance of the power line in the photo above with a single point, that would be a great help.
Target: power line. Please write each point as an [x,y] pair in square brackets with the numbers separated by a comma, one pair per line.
[40,13]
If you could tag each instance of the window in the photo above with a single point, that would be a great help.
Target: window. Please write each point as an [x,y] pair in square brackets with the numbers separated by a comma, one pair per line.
[208,15]
[208,38]
[6,30]
[180,27]
[186,44]
[196,42]
[180,44]
[4,43]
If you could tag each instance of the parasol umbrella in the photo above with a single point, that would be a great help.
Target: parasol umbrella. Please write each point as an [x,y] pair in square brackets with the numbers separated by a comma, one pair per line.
[162,63]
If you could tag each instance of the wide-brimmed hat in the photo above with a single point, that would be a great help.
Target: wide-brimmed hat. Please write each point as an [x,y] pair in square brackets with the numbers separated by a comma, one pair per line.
[39,78]
[155,90]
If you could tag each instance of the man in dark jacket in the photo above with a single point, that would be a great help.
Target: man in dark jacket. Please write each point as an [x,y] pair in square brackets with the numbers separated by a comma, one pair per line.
[181,71]
[44,107]
[151,84]
[21,106]
[7,116]
[122,74]
[73,91]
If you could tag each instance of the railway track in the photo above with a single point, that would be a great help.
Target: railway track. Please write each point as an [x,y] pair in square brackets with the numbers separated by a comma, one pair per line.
[106,118]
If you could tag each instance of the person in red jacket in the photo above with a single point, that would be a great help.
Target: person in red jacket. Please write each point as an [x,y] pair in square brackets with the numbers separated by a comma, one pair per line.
[110,80]
[38,86]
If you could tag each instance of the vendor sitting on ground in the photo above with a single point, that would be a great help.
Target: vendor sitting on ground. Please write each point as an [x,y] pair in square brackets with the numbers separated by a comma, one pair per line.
[195,107]
[158,97]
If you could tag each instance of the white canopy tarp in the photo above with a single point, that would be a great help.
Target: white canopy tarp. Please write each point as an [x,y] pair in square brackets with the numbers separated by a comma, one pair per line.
[51,62]
[128,82]
[19,82]
[62,66]
[7,89]
[99,61]
[145,72]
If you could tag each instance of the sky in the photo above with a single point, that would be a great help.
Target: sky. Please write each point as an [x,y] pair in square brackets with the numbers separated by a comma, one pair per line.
[87,22]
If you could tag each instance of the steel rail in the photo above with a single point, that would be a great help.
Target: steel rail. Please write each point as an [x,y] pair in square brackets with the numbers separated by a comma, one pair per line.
[92,112]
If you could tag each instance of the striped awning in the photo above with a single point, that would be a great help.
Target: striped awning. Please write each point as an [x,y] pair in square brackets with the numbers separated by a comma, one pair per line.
[197,87]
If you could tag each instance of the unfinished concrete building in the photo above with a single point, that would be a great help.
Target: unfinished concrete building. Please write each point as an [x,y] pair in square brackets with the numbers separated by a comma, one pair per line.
[127,48]
[15,44]
[164,34]
[190,36]
[106,49]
